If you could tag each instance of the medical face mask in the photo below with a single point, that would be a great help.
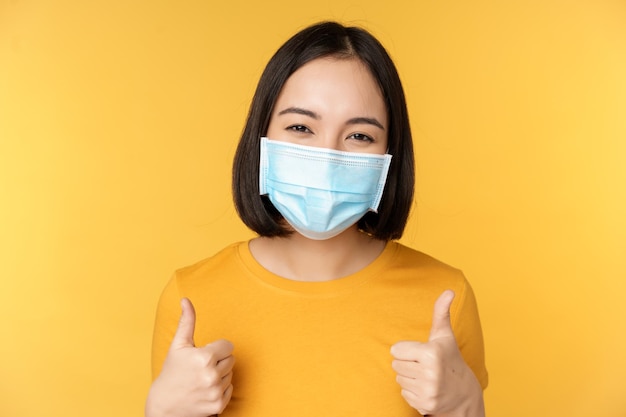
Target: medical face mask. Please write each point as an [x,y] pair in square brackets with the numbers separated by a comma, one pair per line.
[321,192]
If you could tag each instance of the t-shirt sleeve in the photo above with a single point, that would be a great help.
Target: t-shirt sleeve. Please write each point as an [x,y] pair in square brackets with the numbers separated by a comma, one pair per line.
[469,335]
[165,325]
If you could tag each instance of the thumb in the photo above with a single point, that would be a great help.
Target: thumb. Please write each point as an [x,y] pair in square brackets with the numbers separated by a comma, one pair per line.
[441,326]
[186,326]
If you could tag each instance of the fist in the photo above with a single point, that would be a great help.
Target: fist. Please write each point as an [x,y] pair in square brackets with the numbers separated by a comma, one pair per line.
[194,381]
[433,376]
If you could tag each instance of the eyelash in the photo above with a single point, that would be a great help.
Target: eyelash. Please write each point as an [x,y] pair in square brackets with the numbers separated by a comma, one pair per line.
[299,129]
[356,136]
[363,137]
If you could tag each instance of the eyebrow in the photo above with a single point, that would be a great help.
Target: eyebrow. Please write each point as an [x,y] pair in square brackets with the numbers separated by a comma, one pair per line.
[365,120]
[299,110]
[354,121]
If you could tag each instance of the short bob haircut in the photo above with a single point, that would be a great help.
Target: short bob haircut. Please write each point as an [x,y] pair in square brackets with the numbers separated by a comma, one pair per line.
[327,39]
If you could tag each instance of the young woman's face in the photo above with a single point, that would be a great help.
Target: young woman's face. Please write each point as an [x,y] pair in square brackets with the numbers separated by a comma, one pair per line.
[331,103]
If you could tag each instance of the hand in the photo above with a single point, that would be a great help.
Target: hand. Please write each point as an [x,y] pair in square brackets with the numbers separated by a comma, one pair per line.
[194,382]
[434,378]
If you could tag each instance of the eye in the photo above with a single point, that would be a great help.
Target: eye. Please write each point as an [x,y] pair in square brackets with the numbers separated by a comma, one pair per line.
[361,137]
[299,129]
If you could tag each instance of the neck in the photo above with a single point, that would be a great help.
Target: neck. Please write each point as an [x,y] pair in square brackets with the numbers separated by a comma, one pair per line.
[299,258]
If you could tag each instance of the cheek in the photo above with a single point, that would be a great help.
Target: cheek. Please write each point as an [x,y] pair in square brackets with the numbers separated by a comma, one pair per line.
[382,146]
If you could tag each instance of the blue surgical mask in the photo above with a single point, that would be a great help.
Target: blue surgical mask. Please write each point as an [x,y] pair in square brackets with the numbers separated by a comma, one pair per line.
[321,192]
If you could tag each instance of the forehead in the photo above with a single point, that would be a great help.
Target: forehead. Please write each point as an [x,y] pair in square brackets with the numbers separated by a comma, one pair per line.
[333,84]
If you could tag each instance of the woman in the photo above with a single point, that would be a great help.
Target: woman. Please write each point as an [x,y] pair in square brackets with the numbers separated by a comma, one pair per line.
[327,313]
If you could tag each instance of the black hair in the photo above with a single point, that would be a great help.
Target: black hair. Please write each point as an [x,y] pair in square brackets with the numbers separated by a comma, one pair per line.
[327,39]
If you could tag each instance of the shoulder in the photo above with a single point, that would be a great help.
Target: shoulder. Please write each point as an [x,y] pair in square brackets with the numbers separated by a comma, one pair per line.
[422,265]
[223,261]
[424,277]
[413,255]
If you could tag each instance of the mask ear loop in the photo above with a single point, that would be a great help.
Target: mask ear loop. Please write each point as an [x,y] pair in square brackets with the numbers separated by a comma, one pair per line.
[263,166]
[382,180]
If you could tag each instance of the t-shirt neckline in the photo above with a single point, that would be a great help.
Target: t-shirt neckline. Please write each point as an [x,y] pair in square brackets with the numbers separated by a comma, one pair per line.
[327,288]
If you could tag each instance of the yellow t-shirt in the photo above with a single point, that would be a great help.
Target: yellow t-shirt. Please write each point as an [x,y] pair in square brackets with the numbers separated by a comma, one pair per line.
[317,348]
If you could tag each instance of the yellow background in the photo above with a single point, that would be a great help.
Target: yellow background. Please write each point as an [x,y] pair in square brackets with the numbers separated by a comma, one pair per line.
[118,123]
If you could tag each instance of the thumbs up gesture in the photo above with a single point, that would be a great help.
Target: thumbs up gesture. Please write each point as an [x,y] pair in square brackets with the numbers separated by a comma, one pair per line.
[434,378]
[194,381]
